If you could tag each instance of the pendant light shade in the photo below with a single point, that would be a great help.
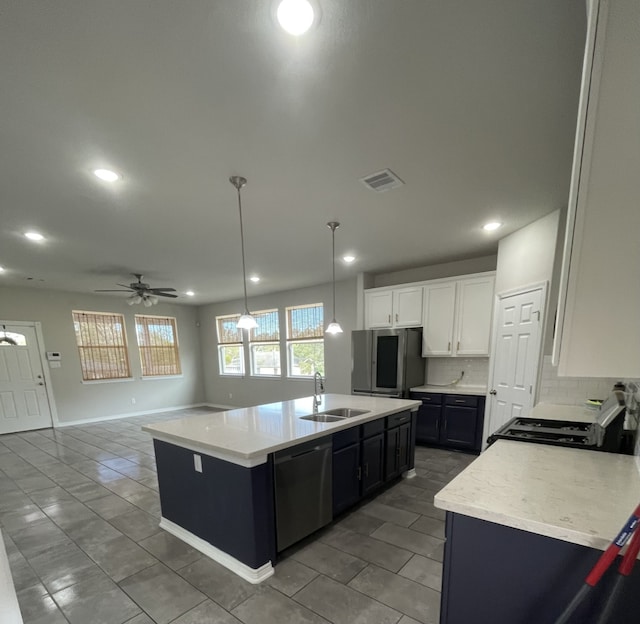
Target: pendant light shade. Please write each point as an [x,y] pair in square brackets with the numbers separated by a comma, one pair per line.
[334,326]
[246,321]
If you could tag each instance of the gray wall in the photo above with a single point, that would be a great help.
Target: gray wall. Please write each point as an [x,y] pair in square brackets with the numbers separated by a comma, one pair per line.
[79,401]
[436,271]
[246,391]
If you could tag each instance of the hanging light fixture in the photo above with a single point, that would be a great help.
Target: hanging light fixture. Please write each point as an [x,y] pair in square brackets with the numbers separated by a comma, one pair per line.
[246,321]
[334,326]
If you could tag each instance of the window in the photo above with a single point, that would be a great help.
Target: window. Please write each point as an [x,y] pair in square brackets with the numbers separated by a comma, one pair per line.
[158,344]
[264,344]
[305,340]
[102,345]
[230,349]
[12,339]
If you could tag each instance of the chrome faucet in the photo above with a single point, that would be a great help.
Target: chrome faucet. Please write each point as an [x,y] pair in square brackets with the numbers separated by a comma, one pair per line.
[318,389]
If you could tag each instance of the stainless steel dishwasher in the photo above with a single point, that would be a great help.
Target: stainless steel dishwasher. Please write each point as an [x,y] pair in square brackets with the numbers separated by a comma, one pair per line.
[302,476]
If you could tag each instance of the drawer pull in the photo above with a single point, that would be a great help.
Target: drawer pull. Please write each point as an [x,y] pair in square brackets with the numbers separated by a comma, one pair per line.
[460,401]
[359,473]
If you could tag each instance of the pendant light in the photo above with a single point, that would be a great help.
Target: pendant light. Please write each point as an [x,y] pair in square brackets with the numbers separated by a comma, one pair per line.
[334,326]
[246,321]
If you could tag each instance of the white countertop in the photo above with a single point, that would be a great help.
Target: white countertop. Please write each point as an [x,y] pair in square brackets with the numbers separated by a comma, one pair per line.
[247,435]
[9,609]
[570,413]
[473,390]
[575,495]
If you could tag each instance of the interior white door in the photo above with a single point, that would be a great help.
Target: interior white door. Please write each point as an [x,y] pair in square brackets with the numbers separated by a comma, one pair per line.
[516,356]
[23,397]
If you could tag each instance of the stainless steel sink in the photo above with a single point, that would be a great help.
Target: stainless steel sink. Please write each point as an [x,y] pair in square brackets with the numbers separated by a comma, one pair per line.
[346,412]
[322,417]
[333,415]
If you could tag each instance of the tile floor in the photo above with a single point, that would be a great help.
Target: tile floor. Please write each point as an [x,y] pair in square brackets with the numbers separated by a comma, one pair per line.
[79,514]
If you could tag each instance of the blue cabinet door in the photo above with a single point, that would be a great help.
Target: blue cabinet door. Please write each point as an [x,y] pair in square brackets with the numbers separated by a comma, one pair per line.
[459,426]
[428,424]
[347,474]
[372,463]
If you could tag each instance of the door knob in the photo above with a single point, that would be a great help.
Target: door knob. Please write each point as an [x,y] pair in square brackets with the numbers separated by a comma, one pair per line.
[493,392]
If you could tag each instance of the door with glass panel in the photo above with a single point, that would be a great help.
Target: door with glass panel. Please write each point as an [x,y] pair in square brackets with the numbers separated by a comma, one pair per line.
[23,396]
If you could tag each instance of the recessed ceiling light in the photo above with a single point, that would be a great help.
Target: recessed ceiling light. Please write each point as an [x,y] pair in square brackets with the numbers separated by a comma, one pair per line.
[295,16]
[348,259]
[1,269]
[106,174]
[255,279]
[34,236]
[493,225]
[190,293]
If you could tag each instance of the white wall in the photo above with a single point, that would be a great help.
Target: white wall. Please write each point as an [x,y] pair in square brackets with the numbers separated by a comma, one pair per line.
[79,401]
[526,256]
[249,390]
[435,271]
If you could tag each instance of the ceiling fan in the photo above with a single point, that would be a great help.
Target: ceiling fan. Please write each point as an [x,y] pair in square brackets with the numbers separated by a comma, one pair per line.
[143,293]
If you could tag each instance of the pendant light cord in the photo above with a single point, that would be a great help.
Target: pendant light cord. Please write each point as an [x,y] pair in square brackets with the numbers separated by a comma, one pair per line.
[244,271]
[333,261]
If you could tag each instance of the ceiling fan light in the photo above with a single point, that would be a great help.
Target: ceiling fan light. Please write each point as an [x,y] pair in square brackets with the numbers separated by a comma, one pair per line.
[147,302]
[334,328]
[246,321]
[153,299]
[134,299]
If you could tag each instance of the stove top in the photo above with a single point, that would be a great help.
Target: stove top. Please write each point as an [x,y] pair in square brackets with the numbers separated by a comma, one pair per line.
[557,432]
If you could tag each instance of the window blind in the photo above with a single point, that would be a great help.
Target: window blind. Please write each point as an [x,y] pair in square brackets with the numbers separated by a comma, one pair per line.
[158,345]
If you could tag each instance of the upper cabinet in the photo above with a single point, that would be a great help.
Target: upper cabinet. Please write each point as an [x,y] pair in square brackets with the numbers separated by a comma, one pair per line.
[457,317]
[455,313]
[598,310]
[399,307]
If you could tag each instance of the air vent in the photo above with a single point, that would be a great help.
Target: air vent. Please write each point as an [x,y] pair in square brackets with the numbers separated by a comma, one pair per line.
[382,181]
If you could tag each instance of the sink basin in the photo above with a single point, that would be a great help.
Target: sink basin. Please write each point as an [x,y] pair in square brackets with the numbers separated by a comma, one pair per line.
[346,412]
[322,417]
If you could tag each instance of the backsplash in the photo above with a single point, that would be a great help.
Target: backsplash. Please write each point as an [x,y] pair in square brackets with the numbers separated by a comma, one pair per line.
[570,390]
[445,369]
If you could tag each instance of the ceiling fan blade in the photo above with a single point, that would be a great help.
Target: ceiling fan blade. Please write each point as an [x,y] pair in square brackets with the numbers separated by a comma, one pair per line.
[160,294]
[124,285]
[157,290]
[111,291]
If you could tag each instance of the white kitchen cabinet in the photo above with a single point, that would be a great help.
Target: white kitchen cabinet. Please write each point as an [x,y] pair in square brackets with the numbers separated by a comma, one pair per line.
[400,307]
[474,304]
[407,307]
[439,319]
[379,309]
[457,317]
[598,323]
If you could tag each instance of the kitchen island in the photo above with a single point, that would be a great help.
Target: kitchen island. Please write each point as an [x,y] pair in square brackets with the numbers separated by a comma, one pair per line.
[525,524]
[216,472]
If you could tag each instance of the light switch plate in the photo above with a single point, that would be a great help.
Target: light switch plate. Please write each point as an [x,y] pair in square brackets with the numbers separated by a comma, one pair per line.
[197,462]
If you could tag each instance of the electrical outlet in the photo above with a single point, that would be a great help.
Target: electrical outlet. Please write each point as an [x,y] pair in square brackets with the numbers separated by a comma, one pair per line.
[230,395]
[197,462]
[133,400]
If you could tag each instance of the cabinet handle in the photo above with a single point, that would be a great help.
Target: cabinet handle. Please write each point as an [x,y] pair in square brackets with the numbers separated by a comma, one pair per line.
[359,473]
[460,401]
[449,346]
[396,317]
[389,318]
[366,470]
[458,347]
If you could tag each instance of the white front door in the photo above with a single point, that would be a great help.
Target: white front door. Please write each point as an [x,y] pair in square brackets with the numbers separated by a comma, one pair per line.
[516,357]
[23,396]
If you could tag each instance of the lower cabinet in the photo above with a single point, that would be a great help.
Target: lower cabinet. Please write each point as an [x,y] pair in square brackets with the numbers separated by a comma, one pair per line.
[450,420]
[365,457]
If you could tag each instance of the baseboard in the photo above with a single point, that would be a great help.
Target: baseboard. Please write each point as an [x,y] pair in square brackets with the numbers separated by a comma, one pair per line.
[220,406]
[252,575]
[86,421]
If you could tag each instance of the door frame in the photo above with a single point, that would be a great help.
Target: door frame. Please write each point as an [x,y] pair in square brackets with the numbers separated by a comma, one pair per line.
[37,325]
[521,290]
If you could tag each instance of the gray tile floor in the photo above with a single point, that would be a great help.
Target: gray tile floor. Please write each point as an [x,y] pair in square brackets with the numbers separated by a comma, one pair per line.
[79,513]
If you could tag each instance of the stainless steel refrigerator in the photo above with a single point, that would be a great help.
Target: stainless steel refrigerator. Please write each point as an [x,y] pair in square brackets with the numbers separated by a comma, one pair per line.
[386,362]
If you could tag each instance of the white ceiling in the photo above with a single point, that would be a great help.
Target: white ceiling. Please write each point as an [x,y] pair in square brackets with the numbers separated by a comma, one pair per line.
[471,103]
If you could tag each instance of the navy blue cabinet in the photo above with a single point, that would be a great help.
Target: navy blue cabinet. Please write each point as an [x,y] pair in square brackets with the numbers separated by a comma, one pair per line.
[372,463]
[347,473]
[365,457]
[450,420]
